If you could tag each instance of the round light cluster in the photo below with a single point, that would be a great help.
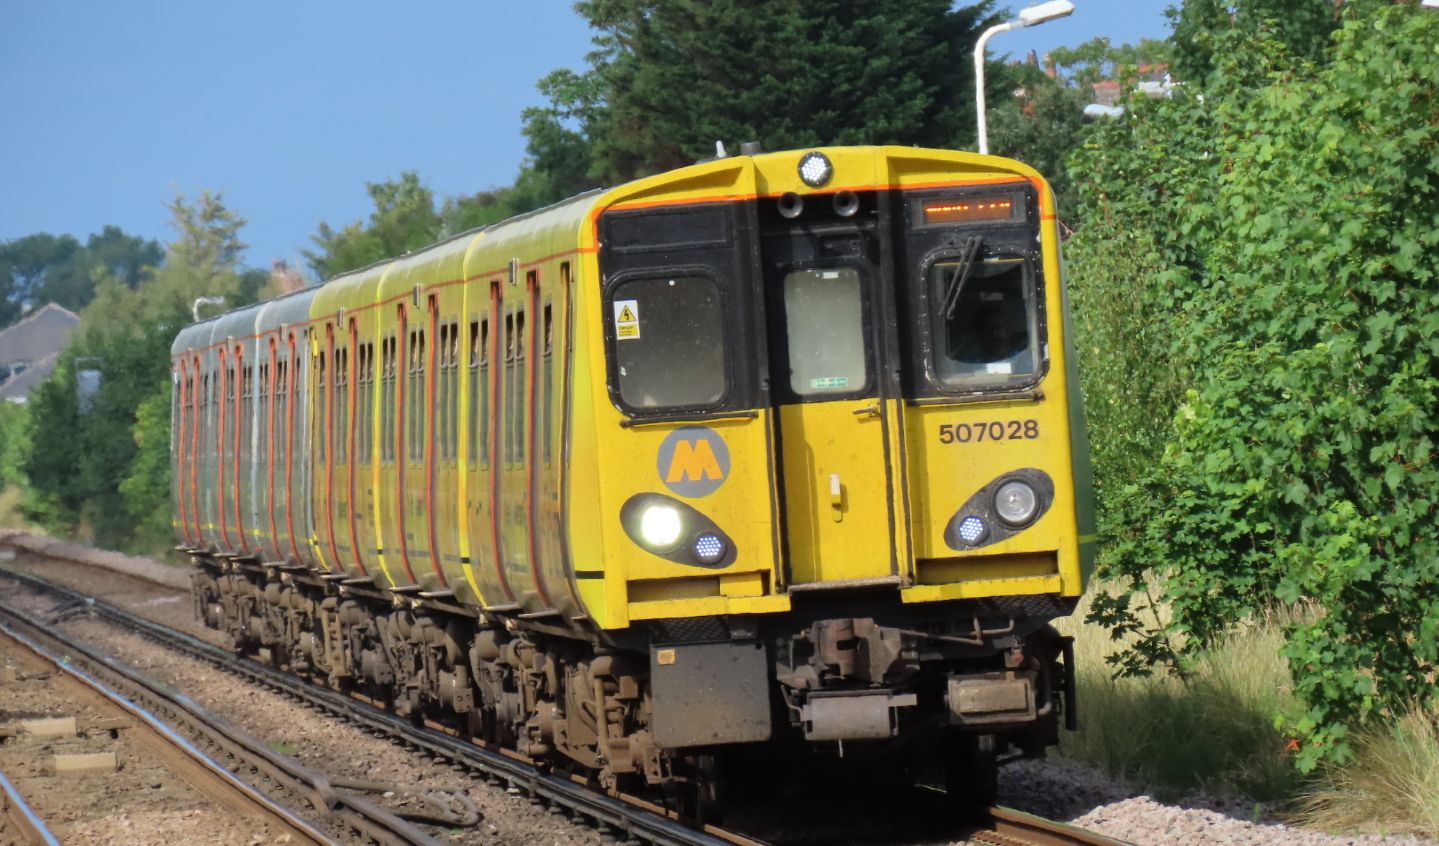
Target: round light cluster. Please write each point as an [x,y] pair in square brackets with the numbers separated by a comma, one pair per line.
[815,169]
[709,548]
[1016,503]
[972,530]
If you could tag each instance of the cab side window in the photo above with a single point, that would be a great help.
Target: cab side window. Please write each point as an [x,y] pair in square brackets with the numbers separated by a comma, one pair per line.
[669,342]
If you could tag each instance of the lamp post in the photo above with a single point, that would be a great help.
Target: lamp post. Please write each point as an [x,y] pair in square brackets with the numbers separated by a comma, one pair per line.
[203,301]
[1033,16]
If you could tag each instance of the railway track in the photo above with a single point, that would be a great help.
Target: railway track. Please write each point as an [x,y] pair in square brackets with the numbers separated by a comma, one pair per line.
[1007,827]
[629,818]
[213,750]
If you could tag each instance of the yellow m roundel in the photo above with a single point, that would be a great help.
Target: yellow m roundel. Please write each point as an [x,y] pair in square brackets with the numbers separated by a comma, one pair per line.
[693,461]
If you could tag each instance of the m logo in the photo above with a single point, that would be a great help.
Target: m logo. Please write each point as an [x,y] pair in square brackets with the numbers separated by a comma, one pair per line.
[693,461]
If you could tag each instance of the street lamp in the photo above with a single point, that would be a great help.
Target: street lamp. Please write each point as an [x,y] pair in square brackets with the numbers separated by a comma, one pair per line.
[203,301]
[1033,16]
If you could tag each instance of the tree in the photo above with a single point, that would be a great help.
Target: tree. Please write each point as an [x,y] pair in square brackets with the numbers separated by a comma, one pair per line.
[1097,59]
[1041,126]
[88,472]
[44,268]
[1287,224]
[404,219]
[670,77]
[1302,28]
[25,263]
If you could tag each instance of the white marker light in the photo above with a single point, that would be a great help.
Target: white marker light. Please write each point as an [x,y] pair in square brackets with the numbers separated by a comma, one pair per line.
[972,530]
[709,548]
[815,169]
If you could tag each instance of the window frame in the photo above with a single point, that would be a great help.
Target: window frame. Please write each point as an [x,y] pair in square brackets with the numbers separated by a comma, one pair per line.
[782,392]
[718,407]
[1032,268]
[924,244]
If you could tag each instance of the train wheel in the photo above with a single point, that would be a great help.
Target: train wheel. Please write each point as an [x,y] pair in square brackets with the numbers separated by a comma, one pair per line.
[971,774]
[698,797]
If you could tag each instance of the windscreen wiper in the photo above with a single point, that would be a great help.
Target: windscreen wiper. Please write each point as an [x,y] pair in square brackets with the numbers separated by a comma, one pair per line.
[968,249]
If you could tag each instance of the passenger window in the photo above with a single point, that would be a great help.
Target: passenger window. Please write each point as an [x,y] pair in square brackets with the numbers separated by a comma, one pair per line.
[669,342]
[984,321]
[824,322]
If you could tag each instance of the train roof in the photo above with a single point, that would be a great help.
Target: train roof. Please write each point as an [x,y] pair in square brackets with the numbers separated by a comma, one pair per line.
[476,251]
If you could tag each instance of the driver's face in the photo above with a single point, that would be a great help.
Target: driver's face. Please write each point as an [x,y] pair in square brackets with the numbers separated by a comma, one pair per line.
[994,333]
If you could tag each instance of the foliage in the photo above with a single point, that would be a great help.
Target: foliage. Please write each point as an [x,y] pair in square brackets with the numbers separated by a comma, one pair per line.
[1301,212]
[14,447]
[44,268]
[87,470]
[146,488]
[1097,59]
[404,219]
[1041,126]
[1301,28]
[670,77]
[1042,123]
[14,443]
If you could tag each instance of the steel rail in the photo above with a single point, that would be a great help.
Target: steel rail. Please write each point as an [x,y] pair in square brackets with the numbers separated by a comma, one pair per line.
[628,815]
[65,665]
[31,828]
[1008,827]
[161,706]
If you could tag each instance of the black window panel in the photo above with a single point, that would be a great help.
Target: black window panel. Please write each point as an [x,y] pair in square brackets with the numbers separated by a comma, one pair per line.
[671,228]
[713,240]
[677,357]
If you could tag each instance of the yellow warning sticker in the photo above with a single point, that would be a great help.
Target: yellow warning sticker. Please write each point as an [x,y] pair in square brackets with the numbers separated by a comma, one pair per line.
[627,319]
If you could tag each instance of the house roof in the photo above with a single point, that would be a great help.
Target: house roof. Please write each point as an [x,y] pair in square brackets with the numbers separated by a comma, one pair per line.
[17,388]
[41,333]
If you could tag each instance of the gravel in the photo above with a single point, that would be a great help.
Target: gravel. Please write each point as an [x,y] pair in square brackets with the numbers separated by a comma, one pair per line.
[1064,790]
[1056,788]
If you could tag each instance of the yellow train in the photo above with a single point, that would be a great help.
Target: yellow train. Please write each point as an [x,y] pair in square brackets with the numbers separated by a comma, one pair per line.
[776,448]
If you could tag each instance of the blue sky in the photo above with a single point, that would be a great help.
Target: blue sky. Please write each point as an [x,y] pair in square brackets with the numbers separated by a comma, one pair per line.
[289,108]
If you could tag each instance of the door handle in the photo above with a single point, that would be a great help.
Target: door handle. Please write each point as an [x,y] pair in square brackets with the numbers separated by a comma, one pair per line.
[867,411]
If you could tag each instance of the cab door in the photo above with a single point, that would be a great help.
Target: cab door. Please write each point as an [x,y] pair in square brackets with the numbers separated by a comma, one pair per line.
[837,428]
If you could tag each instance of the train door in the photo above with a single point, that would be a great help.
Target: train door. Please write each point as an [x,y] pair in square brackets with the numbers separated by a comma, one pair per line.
[832,383]
[391,495]
[350,443]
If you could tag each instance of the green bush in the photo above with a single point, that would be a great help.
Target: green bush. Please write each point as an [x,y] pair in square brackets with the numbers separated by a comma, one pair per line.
[1300,462]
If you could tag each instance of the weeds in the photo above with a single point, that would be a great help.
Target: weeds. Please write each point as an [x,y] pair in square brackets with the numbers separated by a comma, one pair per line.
[1213,731]
[1392,783]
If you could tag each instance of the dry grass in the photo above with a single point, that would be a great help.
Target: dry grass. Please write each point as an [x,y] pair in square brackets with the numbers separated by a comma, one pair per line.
[1214,731]
[1391,785]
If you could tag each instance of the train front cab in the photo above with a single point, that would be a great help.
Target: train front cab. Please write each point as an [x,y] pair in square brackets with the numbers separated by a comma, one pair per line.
[838,385]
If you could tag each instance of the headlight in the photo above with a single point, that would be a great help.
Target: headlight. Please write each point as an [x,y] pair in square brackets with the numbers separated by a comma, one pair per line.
[1016,503]
[660,527]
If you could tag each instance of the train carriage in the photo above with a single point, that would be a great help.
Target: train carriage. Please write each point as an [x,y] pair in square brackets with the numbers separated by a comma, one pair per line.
[773,448]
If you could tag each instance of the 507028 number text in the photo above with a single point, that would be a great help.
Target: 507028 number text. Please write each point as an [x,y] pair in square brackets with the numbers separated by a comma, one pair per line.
[998,430]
